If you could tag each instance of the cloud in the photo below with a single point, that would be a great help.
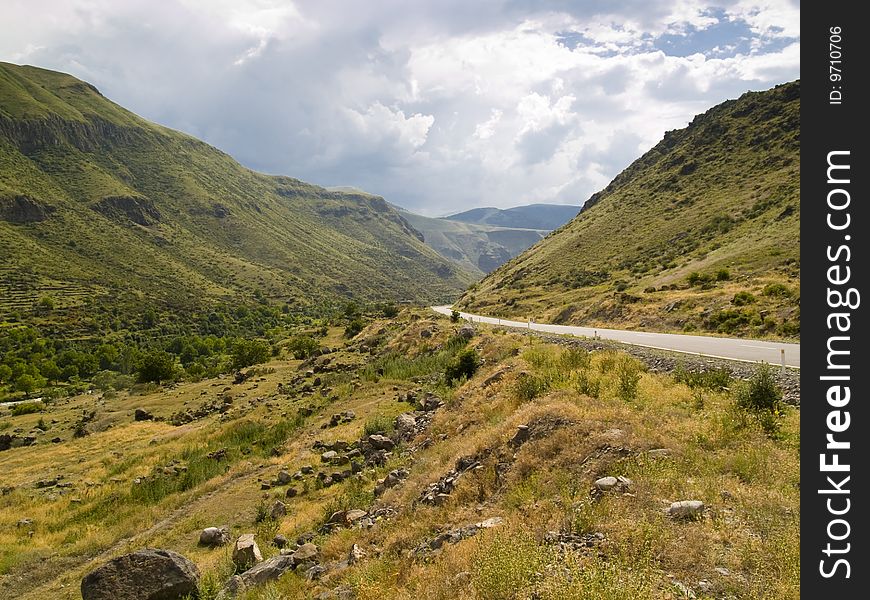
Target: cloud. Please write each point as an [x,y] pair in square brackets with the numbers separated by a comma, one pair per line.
[439,106]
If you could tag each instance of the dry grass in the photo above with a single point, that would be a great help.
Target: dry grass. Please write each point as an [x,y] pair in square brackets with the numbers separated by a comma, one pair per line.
[748,481]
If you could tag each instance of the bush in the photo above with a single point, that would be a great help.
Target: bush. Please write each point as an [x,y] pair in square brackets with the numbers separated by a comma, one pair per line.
[378,424]
[776,289]
[742,299]
[250,352]
[587,385]
[761,398]
[302,346]
[390,310]
[27,408]
[465,364]
[455,316]
[714,379]
[529,387]
[353,328]
[628,376]
[723,275]
[156,366]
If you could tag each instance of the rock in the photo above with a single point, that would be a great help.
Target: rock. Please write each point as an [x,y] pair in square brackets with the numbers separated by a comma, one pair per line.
[24,523]
[279,509]
[406,425]
[490,522]
[292,492]
[658,452]
[315,572]
[431,403]
[280,541]
[329,456]
[143,575]
[141,414]
[606,484]
[305,552]
[246,552]
[686,509]
[214,537]
[283,478]
[466,332]
[305,538]
[354,515]
[381,442]
[268,570]
[520,437]
[355,555]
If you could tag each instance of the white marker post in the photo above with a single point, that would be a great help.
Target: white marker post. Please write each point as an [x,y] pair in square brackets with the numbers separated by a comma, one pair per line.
[782,359]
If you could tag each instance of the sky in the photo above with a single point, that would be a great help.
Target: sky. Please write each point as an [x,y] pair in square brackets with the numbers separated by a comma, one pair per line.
[437,105]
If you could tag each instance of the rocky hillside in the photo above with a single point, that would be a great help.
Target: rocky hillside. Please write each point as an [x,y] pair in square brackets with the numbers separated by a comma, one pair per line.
[701,233]
[100,207]
[420,459]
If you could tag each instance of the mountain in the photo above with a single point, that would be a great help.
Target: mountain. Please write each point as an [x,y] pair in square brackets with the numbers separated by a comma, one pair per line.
[477,248]
[101,207]
[532,216]
[701,233]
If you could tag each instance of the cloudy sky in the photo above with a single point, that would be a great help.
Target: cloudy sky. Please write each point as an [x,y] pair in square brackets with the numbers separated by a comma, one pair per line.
[438,105]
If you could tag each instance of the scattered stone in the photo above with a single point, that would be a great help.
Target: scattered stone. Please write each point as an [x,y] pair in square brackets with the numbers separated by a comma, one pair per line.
[466,332]
[355,555]
[305,552]
[214,537]
[140,414]
[686,509]
[24,523]
[280,541]
[279,509]
[381,442]
[329,456]
[570,541]
[406,425]
[431,403]
[614,484]
[143,575]
[315,572]
[659,452]
[283,478]
[246,552]
[292,492]
[520,437]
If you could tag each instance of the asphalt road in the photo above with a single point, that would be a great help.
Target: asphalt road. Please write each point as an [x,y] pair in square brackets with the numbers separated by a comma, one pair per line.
[729,348]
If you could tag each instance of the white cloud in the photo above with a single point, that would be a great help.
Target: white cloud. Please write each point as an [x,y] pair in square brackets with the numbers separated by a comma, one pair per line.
[438,105]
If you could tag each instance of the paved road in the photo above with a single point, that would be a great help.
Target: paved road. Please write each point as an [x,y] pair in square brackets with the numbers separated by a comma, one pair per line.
[730,348]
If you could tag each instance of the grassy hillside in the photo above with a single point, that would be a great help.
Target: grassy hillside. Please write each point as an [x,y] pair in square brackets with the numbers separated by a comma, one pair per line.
[531,216]
[99,207]
[477,248]
[517,447]
[699,234]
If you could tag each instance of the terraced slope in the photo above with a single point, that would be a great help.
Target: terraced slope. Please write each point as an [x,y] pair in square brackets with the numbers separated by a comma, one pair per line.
[700,233]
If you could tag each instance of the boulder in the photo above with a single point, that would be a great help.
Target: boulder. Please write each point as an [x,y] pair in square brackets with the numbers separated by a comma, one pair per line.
[246,552]
[520,437]
[140,414]
[280,541]
[466,332]
[617,484]
[431,403]
[329,456]
[686,509]
[143,575]
[406,425]
[268,570]
[214,537]
[381,442]
[283,478]
[305,552]
[279,509]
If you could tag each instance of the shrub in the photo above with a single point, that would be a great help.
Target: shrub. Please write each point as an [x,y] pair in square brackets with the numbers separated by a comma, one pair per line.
[27,408]
[761,398]
[378,424]
[723,275]
[529,387]
[465,364]
[353,328]
[742,299]
[156,366]
[628,376]
[250,352]
[302,346]
[455,316]
[507,564]
[587,385]
[776,289]
[390,310]
[714,379]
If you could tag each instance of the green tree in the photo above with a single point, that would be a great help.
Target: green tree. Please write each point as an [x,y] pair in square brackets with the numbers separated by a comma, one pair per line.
[465,365]
[156,366]
[26,383]
[50,370]
[5,373]
[250,352]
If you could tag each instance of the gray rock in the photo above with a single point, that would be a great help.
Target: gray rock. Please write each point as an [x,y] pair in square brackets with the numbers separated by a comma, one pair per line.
[606,484]
[520,437]
[329,456]
[268,570]
[305,552]
[355,555]
[140,414]
[279,509]
[315,572]
[214,537]
[381,442]
[406,425]
[246,552]
[280,541]
[143,575]
[686,509]
[284,478]
[466,332]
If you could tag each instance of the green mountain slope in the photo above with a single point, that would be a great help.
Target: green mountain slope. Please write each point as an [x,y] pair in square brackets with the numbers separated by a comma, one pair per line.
[532,216]
[700,233]
[97,204]
[477,248]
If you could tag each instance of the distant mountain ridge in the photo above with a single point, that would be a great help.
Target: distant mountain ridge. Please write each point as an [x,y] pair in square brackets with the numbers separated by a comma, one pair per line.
[701,233]
[98,205]
[545,217]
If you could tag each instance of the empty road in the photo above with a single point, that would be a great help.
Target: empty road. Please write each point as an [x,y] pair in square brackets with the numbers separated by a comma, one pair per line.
[730,348]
